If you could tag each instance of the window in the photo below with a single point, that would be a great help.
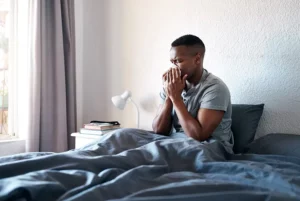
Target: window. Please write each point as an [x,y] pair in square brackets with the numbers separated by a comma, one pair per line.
[4,67]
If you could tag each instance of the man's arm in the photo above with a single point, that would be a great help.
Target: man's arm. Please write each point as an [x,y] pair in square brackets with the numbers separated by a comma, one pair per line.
[202,127]
[209,115]
[162,123]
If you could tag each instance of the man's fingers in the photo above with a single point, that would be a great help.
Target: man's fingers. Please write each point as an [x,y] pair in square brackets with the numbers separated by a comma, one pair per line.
[165,77]
[173,75]
[184,78]
[165,73]
[176,73]
[179,72]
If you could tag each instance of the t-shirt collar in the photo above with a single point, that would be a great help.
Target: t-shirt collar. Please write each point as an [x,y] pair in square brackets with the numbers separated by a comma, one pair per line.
[192,89]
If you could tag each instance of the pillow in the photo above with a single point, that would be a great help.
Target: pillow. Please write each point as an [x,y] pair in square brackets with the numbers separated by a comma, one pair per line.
[276,144]
[245,119]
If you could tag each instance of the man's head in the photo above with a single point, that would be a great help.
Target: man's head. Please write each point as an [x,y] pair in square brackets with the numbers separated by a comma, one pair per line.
[187,53]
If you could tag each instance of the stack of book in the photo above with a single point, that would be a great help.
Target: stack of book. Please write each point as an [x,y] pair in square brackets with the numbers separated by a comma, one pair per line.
[98,128]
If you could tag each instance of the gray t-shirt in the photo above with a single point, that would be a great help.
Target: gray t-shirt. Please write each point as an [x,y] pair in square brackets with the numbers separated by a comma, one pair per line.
[210,93]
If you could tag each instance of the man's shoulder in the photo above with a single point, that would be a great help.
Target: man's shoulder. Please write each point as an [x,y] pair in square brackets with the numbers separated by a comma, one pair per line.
[214,82]
[214,94]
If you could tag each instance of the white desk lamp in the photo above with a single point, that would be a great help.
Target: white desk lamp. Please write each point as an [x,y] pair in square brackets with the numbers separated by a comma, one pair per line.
[121,100]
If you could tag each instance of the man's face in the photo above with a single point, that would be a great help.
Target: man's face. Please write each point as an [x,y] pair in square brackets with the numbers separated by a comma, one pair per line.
[185,58]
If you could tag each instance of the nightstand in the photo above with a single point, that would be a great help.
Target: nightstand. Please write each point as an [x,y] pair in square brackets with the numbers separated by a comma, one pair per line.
[84,139]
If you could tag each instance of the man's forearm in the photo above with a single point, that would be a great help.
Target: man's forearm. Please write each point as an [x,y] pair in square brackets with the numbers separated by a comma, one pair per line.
[190,125]
[163,121]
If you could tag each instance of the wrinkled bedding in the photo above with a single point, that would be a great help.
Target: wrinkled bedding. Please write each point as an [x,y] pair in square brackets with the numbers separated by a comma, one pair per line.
[132,164]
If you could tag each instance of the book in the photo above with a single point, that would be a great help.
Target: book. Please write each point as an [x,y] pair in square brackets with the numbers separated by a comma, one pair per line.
[109,122]
[100,126]
[94,132]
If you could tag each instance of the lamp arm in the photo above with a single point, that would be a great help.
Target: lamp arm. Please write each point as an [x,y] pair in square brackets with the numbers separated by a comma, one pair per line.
[137,113]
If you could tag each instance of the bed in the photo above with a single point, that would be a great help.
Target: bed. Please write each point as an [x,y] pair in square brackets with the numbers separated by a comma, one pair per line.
[133,164]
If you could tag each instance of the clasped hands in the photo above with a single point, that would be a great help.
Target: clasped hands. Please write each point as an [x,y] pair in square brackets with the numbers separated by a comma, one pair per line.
[173,83]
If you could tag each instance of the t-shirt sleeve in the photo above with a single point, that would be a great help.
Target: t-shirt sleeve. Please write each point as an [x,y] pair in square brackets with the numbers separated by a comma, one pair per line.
[162,95]
[216,97]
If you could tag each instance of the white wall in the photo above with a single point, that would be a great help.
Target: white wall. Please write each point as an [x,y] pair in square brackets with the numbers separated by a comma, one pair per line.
[92,79]
[252,45]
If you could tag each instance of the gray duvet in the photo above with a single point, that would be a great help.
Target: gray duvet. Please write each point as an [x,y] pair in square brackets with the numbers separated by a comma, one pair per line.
[133,164]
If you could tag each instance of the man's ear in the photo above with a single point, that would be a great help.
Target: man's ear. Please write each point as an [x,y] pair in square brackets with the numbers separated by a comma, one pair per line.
[199,57]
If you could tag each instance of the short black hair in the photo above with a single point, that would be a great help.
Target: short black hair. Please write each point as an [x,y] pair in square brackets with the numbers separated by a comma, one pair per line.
[188,40]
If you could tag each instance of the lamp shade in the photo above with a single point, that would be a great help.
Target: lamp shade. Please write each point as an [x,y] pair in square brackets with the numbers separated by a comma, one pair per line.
[120,101]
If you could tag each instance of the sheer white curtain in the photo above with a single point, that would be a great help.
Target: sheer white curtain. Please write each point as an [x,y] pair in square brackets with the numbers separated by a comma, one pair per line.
[42,76]
[20,52]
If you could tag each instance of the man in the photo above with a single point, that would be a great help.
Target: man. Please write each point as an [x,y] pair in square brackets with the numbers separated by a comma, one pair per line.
[194,101]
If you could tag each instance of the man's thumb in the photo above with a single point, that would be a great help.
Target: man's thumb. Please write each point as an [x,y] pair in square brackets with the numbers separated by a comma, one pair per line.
[184,78]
